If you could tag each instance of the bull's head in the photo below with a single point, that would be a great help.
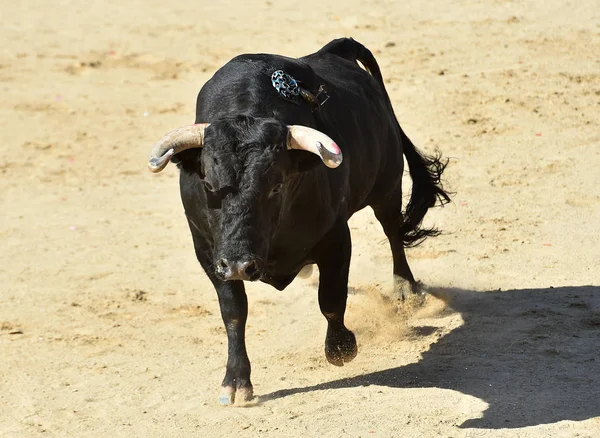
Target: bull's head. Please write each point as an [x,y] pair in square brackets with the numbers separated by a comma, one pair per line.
[247,169]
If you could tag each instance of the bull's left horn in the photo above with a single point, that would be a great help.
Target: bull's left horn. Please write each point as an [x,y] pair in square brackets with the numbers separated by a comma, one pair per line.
[311,140]
[174,142]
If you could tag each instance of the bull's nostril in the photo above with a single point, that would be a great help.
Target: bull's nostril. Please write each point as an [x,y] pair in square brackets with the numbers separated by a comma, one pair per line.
[227,270]
[251,268]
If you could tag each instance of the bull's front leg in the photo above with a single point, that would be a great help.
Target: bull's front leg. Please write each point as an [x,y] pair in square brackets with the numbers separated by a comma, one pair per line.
[234,311]
[334,264]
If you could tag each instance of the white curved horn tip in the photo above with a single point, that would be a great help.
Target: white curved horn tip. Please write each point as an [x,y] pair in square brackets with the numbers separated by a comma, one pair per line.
[157,164]
[330,159]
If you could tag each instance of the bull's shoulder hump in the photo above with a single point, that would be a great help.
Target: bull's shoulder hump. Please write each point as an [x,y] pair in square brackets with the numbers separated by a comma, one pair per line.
[262,61]
[252,67]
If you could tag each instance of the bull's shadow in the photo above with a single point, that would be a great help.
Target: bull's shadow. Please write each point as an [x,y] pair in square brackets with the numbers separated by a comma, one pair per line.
[532,355]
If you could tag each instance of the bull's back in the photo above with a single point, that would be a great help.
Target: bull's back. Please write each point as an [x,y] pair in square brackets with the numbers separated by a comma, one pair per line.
[359,116]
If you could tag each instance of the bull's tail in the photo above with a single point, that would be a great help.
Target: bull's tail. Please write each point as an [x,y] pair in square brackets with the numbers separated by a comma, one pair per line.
[425,171]
[427,190]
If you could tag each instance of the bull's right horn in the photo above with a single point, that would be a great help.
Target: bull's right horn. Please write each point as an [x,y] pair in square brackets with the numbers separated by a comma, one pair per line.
[174,142]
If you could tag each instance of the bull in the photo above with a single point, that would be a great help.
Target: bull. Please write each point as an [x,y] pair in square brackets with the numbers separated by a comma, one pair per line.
[282,153]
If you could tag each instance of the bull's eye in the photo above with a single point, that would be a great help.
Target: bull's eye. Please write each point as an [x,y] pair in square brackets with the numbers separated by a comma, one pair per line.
[208,186]
[277,189]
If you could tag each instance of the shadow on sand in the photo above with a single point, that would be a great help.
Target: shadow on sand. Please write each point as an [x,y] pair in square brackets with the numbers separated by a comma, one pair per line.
[532,355]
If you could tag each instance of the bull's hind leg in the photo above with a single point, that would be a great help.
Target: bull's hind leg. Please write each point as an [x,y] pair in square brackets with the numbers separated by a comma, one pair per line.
[333,260]
[391,221]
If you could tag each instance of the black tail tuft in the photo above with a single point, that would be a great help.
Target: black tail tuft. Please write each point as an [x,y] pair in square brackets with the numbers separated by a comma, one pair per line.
[427,191]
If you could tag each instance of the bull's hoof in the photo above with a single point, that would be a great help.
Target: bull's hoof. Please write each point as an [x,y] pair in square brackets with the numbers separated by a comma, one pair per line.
[227,396]
[404,289]
[244,395]
[340,347]
[230,395]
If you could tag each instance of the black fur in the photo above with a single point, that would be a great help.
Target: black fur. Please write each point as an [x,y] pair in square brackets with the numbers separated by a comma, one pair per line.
[256,208]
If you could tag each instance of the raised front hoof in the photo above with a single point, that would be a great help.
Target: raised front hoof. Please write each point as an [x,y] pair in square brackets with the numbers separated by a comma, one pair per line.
[230,395]
[340,347]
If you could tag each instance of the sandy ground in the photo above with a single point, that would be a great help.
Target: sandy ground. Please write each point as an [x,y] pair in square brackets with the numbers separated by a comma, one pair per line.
[110,328]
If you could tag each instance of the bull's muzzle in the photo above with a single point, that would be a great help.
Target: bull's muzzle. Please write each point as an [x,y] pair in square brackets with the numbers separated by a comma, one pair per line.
[248,270]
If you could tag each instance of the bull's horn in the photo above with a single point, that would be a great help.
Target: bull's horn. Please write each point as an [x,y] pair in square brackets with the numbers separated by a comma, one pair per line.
[311,140]
[174,142]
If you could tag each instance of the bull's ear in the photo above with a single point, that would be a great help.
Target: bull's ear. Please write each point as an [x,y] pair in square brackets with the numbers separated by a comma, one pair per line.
[189,160]
[304,161]
[176,159]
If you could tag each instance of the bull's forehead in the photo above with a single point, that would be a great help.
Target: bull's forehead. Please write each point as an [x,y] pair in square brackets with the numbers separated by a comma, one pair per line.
[233,167]
[243,131]
[237,154]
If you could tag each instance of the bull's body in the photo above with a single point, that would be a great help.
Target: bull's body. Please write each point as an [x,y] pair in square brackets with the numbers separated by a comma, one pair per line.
[259,211]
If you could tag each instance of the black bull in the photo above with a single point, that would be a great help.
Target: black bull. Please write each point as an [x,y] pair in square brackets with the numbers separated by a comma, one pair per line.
[260,206]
